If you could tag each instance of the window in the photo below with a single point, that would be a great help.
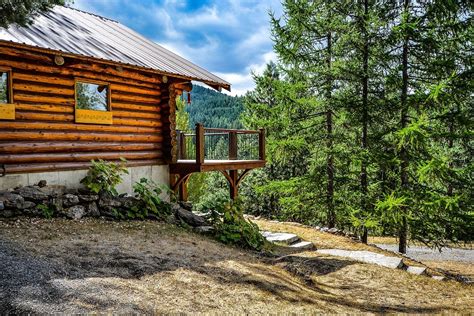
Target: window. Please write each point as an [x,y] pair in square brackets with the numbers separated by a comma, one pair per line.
[5,86]
[92,96]
[93,102]
[7,108]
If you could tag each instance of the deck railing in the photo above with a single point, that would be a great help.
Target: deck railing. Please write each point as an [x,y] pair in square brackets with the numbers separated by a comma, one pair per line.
[221,144]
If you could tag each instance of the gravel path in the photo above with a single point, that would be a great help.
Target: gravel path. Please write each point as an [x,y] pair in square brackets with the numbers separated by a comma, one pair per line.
[424,253]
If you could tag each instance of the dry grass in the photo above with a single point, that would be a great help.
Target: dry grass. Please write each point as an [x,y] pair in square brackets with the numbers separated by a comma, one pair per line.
[148,267]
[393,240]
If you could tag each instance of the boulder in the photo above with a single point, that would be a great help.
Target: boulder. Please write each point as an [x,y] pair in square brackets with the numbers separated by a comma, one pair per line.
[128,201]
[204,229]
[70,200]
[92,210]
[109,201]
[188,217]
[42,183]
[186,205]
[32,192]
[88,197]
[12,200]
[57,204]
[75,212]
[28,205]
[54,190]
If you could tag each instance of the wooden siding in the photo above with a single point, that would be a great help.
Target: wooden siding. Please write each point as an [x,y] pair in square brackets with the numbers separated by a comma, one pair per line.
[44,135]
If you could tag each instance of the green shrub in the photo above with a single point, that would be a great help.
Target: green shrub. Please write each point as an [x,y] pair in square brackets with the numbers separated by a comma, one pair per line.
[232,228]
[104,176]
[47,211]
[149,193]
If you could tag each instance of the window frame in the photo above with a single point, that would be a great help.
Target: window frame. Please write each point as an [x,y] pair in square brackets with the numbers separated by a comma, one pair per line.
[7,110]
[89,116]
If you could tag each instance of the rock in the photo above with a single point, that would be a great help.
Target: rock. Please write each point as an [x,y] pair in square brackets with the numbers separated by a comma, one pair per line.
[128,201]
[7,213]
[42,183]
[285,238]
[186,205]
[303,245]
[333,230]
[88,197]
[92,210]
[366,256]
[28,204]
[416,270]
[76,212]
[109,201]
[2,206]
[108,211]
[204,229]
[438,277]
[57,204]
[12,200]
[70,200]
[324,229]
[188,217]
[32,192]
[54,190]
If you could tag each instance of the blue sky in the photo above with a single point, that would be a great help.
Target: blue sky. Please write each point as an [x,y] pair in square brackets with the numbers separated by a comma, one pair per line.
[227,37]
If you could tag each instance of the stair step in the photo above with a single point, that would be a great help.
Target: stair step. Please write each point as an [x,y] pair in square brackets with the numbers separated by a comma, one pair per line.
[303,245]
[285,238]
[416,270]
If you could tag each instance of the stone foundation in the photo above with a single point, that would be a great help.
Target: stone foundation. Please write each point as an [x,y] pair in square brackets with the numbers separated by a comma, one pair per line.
[71,179]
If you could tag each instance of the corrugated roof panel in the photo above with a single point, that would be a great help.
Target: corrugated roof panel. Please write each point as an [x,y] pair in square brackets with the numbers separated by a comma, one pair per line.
[78,32]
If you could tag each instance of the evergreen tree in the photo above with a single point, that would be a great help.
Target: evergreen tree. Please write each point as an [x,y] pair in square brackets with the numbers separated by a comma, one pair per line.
[22,12]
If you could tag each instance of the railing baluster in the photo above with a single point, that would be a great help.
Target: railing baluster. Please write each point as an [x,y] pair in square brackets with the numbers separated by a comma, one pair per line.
[200,145]
[232,145]
[261,144]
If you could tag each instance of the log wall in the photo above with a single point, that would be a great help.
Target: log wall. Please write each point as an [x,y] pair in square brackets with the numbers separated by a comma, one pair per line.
[44,134]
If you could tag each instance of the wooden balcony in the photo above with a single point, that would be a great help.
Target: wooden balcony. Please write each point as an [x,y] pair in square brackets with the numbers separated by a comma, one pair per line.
[217,149]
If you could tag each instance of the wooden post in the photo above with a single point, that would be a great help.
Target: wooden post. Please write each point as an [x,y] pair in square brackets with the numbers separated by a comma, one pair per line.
[182,145]
[233,185]
[183,191]
[199,144]
[232,145]
[261,144]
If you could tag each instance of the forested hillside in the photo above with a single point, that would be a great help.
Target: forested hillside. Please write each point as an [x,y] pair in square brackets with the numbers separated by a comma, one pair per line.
[213,109]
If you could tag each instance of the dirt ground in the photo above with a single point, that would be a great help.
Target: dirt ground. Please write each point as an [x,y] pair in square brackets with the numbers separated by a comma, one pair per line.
[63,266]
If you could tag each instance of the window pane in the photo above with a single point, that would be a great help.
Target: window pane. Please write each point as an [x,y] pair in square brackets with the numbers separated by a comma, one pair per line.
[3,87]
[91,96]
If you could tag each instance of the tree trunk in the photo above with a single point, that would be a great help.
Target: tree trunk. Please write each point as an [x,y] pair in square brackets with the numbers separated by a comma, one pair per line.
[403,232]
[365,118]
[329,143]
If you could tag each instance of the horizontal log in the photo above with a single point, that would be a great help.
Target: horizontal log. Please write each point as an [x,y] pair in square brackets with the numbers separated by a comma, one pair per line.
[44,108]
[136,122]
[32,116]
[53,126]
[26,54]
[67,71]
[22,97]
[106,69]
[24,168]
[117,96]
[76,136]
[135,107]
[150,115]
[31,88]
[132,89]
[50,147]
[77,157]
[43,78]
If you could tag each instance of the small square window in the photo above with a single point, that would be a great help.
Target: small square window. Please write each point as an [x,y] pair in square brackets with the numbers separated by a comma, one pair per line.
[5,87]
[92,96]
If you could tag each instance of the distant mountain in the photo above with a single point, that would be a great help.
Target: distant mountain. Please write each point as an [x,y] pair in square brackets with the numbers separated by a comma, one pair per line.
[214,109]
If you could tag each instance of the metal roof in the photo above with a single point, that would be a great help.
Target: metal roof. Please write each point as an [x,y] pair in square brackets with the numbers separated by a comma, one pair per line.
[81,33]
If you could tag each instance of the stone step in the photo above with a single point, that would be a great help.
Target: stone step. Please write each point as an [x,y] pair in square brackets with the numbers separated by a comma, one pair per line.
[366,256]
[416,270]
[302,245]
[285,238]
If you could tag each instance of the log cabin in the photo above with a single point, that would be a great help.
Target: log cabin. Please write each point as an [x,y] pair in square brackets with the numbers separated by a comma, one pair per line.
[75,86]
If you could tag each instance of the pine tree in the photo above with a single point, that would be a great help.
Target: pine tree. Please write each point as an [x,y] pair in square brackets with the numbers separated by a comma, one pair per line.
[22,12]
